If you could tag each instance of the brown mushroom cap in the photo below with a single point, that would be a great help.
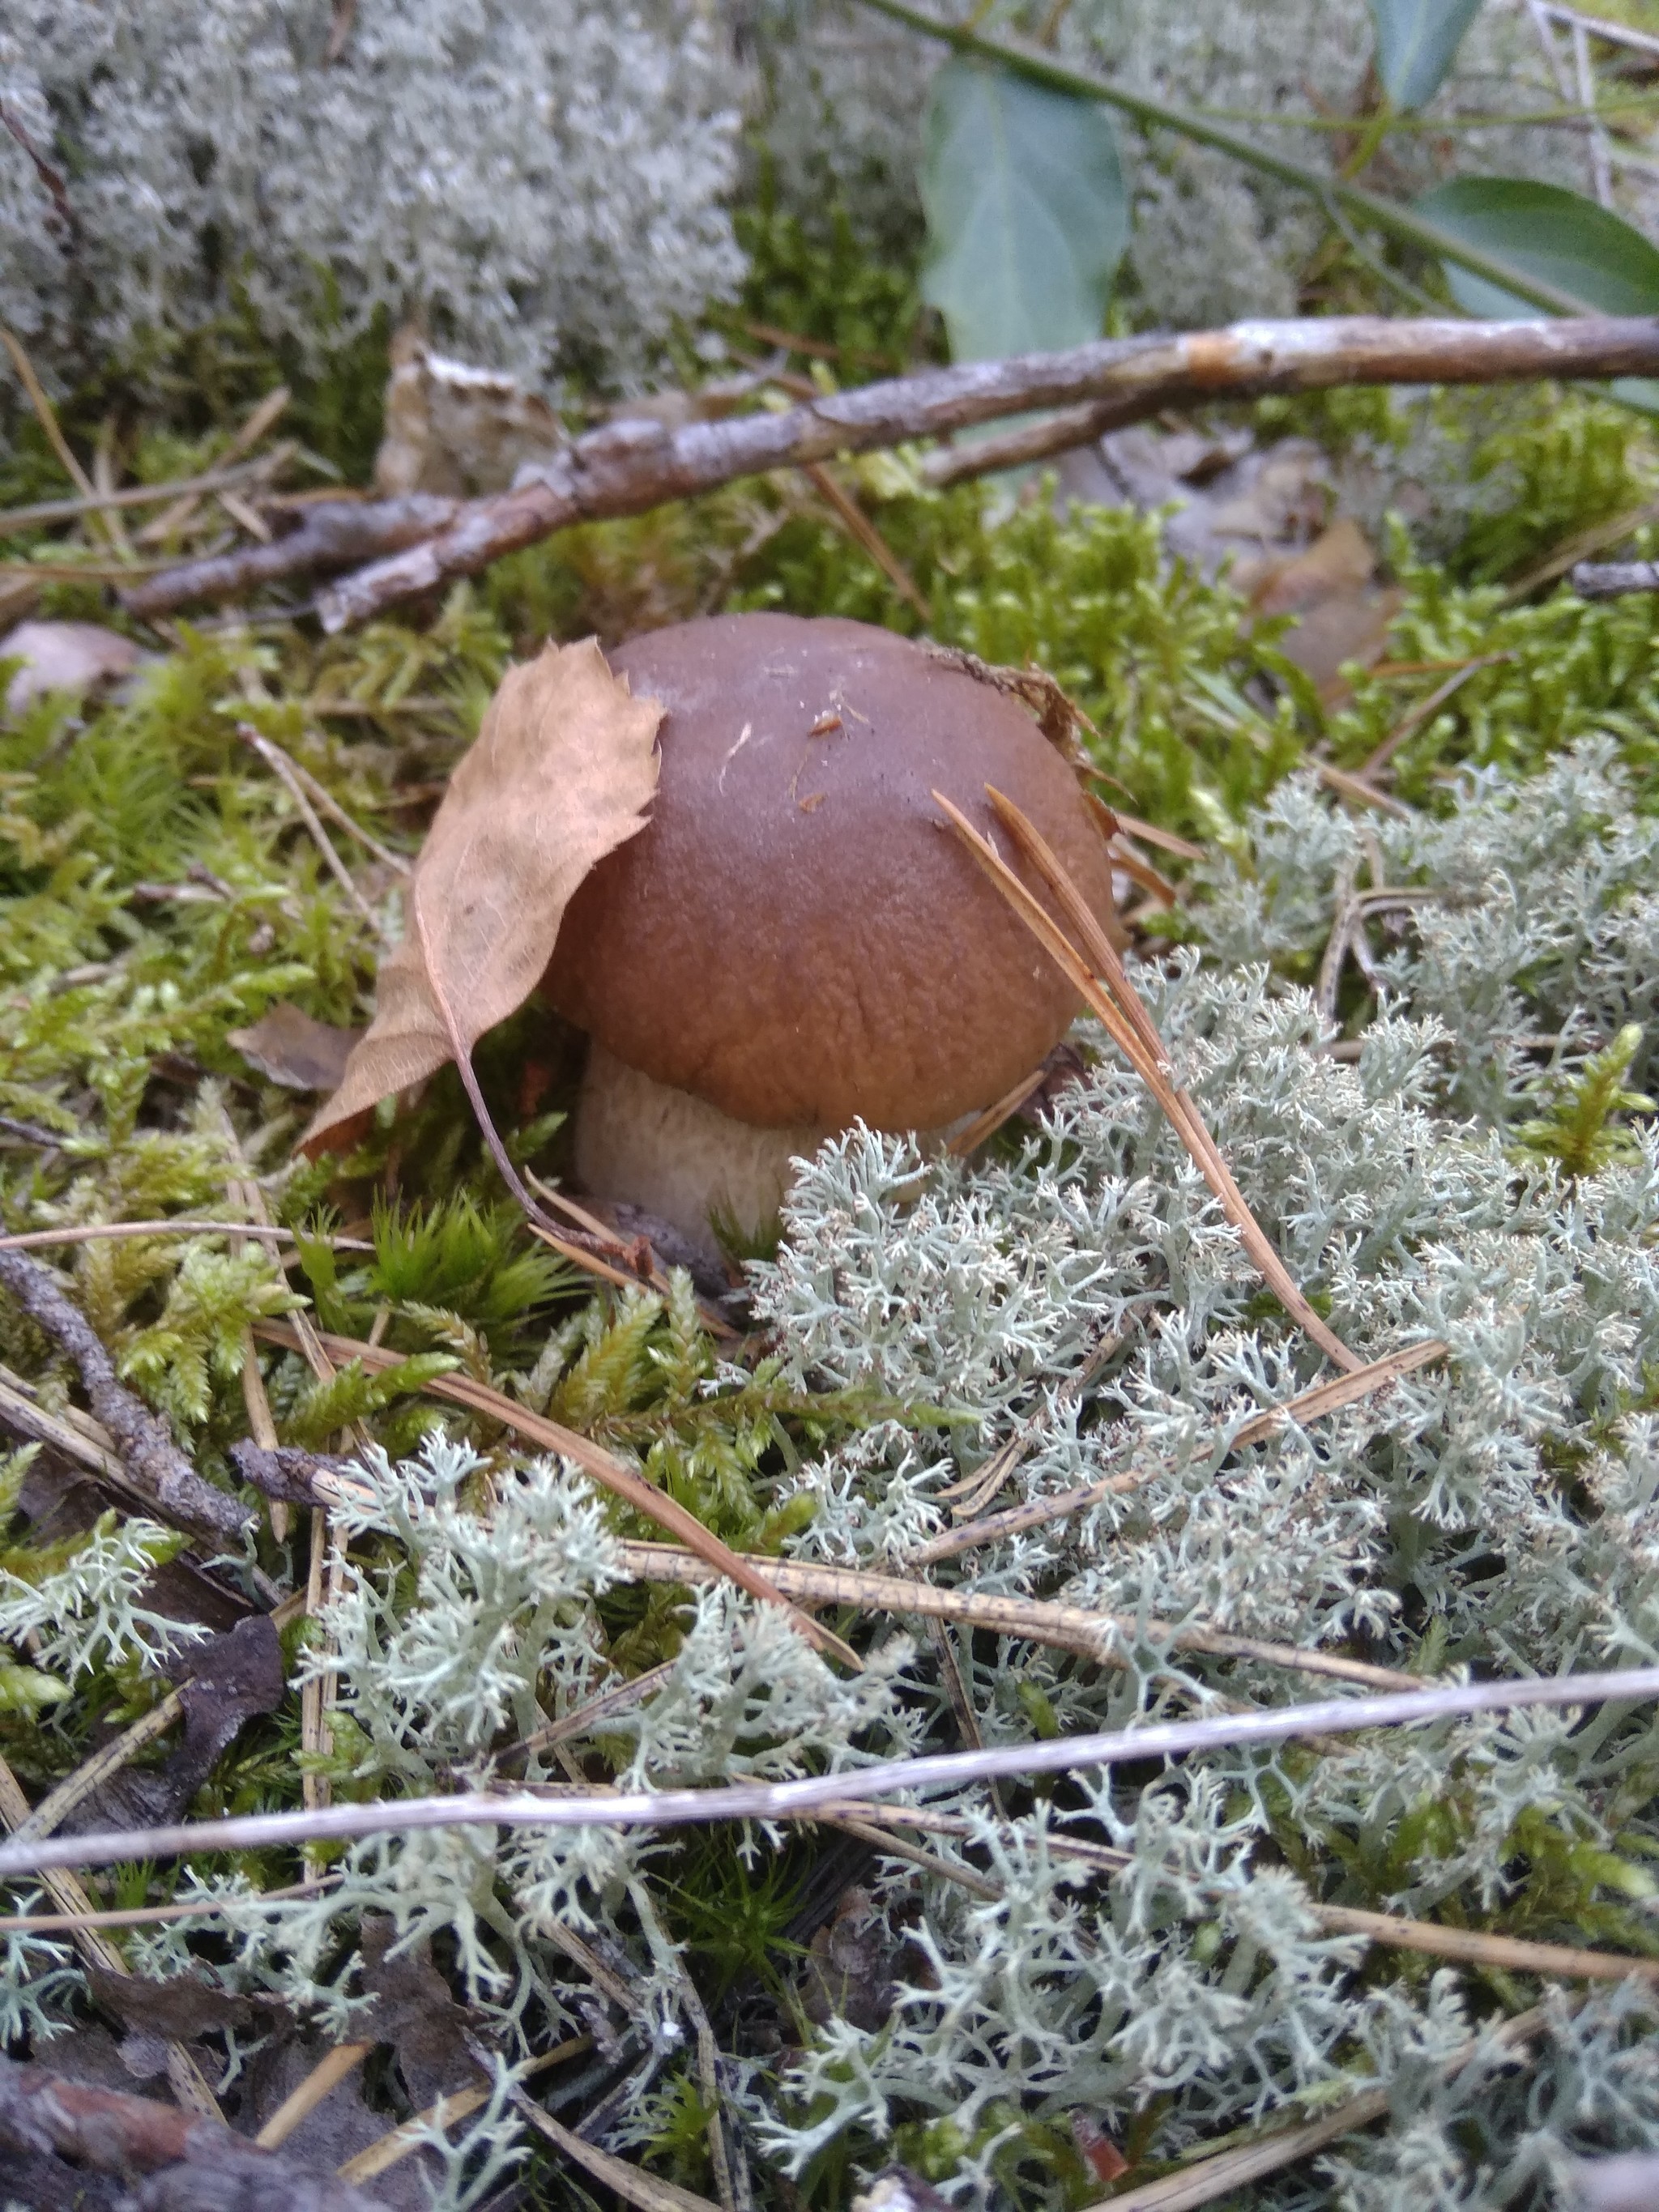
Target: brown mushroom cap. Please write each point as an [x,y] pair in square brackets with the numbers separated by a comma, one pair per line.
[798,937]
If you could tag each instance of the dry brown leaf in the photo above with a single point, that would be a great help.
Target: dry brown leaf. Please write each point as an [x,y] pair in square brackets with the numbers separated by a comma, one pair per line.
[456,429]
[562,774]
[295,1050]
[1338,562]
[63,656]
[1342,614]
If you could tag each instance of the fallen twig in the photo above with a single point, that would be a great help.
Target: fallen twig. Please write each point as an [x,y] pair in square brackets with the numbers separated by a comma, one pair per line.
[1479,1946]
[284,769]
[331,2069]
[328,534]
[1472,1946]
[646,2192]
[262,419]
[185,2076]
[1082,1629]
[819,1793]
[15,519]
[142,1915]
[142,1437]
[111,2131]
[397,2142]
[94,1232]
[863,533]
[1612,580]
[1424,711]
[1312,1405]
[420,543]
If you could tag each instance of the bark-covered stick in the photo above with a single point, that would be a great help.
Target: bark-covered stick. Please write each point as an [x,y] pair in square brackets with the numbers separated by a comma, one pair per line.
[192,2163]
[627,467]
[155,1462]
[815,1794]
[1612,580]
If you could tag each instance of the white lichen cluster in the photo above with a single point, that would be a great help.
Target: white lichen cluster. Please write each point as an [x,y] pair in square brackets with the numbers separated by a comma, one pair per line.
[543,182]
[1496,1510]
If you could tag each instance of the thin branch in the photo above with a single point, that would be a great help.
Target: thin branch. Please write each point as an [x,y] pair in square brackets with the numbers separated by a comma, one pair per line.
[421,543]
[1091,1634]
[142,1438]
[645,2192]
[1614,35]
[986,1125]
[1472,1946]
[283,768]
[94,1232]
[1612,580]
[188,2083]
[820,1793]
[327,804]
[1425,710]
[15,519]
[325,2077]
[50,176]
[1358,793]
[863,533]
[1309,1406]
[883,1840]
[142,1915]
[55,1807]
[397,2142]
[47,415]
[262,418]
[1098,976]
[1477,1946]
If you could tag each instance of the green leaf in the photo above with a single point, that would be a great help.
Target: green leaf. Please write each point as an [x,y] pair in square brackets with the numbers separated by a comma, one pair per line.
[1558,237]
[1417,42]
[1027,213]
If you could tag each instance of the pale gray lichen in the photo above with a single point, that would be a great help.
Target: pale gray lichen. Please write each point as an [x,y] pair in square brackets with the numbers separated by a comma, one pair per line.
[541,181]
[90,1612]
[1496,1509]
[1429,1527]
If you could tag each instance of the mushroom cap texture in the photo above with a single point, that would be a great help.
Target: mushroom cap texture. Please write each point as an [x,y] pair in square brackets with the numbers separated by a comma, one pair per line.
[797,935]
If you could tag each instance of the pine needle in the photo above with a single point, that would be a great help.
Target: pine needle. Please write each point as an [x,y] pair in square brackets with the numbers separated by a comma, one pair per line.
[1100,979]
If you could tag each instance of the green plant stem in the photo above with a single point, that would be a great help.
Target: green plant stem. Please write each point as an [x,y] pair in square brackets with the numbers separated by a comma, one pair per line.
[1387,215]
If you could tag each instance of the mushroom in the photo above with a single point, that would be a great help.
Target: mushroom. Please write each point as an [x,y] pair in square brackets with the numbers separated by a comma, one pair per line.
[796,941]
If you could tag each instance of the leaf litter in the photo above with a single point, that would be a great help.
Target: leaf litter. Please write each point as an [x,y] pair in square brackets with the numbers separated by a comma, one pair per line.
[562,773]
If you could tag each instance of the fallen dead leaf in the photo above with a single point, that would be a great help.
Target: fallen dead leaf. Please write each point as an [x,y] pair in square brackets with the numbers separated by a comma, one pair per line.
[562,774]
[848,1969]
[453,428]
[182,2006]
[416,2012]
[63,656]
[1342,614]
[297,1051]
[1340,560]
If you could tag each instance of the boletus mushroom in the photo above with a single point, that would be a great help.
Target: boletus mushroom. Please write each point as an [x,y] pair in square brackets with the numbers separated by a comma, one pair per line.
[797,940]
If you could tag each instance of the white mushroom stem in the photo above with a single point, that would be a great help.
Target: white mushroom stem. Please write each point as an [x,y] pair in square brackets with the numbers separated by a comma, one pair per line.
[647,1145]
